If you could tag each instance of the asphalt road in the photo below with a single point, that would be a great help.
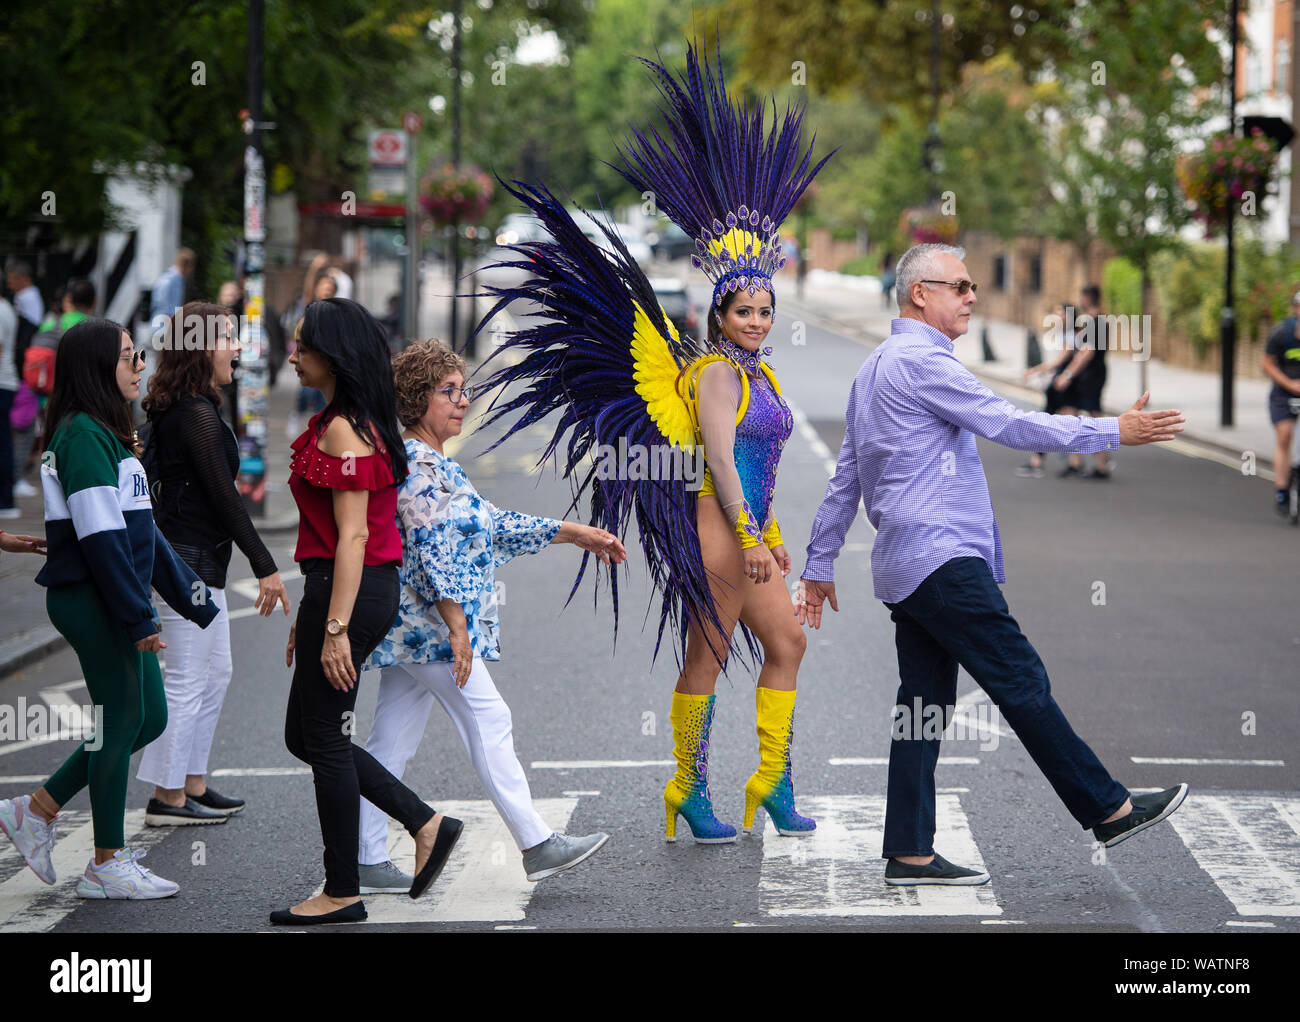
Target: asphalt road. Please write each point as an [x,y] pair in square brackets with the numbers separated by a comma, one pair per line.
[1197,638]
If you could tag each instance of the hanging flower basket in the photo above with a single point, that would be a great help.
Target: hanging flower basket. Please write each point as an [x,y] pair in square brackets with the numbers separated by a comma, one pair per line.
[924,225]
[1226,170]
[448,193]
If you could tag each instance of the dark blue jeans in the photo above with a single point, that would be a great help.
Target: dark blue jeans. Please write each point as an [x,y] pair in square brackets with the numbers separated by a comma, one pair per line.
[958,616]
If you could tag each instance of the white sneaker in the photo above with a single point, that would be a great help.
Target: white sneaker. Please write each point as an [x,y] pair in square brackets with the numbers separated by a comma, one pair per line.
[32,836]
[22,488]
[122,877]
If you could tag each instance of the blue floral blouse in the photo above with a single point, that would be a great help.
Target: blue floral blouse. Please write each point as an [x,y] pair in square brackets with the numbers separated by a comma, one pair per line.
[453,540]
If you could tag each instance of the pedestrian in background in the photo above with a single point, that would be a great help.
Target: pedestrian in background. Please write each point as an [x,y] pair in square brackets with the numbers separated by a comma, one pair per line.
[1061,396]
[105,554]
[1281,364]
[192,458]
[9,382]
[344,475]
[169,289]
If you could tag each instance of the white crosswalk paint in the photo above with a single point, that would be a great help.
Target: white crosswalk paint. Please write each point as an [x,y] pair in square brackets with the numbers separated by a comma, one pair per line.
[26,904]
[1250,847]
[484,879]
[838,870]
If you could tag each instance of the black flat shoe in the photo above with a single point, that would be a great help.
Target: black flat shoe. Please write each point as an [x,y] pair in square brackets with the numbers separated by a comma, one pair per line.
[354,913]
[448,834]
[160,814]
[218,802]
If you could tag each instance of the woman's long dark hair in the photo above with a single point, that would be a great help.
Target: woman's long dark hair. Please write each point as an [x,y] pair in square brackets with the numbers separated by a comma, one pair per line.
[357,349]
[85,379]
[185,369]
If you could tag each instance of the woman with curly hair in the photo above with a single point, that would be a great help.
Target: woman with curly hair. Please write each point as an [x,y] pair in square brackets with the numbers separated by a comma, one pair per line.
[453,539]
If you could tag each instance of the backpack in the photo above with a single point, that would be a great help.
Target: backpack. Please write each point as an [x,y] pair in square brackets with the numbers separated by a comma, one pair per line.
[38,369]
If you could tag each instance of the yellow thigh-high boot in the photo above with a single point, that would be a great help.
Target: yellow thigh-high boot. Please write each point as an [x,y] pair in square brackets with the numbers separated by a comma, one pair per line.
[771,786]
[688,791]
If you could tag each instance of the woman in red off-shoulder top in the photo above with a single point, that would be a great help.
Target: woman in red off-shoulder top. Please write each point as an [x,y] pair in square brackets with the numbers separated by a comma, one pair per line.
[344,474]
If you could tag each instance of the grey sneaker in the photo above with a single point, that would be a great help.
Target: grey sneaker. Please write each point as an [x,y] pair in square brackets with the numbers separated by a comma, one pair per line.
[384,878]
[558,852]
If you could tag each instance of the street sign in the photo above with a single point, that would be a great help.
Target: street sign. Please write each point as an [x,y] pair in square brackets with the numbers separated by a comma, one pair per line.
[387,148]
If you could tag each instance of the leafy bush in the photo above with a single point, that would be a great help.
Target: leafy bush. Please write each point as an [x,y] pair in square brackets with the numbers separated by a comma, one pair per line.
[1121,287]
[862,266]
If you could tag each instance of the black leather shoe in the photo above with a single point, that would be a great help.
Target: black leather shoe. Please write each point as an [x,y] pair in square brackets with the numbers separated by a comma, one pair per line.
[191,814]
[1148,810]
[354,913]
[937,871]
[448,834]
[219,803]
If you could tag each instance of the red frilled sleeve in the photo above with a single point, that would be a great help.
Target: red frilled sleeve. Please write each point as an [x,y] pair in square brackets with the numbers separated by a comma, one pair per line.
[313,474]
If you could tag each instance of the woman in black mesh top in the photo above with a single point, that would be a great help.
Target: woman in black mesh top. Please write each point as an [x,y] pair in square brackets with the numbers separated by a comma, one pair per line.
[192,457]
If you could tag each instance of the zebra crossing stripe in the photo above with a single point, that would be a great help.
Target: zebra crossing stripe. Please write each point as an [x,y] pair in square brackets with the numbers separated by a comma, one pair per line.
[1248,846]
[838,870]
[484,878]
[29,906]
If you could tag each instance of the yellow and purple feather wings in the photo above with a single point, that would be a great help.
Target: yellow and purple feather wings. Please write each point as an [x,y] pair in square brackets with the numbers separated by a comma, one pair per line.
[599,350]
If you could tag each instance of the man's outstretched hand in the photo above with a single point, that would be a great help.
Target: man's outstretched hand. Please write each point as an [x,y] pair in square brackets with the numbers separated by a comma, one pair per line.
[808,603]
[1137,427]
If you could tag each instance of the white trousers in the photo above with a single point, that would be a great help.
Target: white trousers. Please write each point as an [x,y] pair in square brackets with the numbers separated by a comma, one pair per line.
[195,680]
[406,695]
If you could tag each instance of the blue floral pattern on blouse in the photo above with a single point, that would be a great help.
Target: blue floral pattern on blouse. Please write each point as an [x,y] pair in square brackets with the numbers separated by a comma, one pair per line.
[453,540]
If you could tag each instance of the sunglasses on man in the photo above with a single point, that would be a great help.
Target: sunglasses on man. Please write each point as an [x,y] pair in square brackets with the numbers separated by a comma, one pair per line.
[962,286]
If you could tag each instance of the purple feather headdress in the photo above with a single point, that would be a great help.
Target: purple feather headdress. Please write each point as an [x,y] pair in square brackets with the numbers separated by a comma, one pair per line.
[719,177]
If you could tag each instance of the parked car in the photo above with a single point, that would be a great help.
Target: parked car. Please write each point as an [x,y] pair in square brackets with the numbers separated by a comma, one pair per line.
[673,243]
[631,238]
[677,305]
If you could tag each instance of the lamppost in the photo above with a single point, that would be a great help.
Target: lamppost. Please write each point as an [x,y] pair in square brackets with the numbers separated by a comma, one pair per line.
[1228,325]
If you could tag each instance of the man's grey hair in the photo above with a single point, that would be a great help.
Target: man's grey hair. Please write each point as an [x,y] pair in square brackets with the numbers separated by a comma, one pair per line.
[919,263]
[19,267]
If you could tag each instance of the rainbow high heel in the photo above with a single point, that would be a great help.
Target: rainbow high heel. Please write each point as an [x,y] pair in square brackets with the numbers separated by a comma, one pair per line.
[687,793]
[771,786]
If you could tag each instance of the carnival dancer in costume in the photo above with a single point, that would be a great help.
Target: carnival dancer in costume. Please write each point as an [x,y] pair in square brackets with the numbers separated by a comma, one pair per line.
[611,360]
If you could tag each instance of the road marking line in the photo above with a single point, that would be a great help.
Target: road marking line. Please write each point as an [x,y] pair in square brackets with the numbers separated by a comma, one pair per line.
[819,448]
[1162,761]
[1247,845]
[831,872]
[577,794]
[884,761]
[29,906]
[72,724]
[484,878]
[1247,922]
[596,764]
[1002,922]
[262,772]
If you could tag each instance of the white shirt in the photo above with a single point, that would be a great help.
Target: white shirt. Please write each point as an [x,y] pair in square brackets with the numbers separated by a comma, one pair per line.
[28,304]
[8,335]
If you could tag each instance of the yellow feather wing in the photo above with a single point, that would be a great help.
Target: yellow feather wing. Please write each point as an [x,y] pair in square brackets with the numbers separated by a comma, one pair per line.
[655,372]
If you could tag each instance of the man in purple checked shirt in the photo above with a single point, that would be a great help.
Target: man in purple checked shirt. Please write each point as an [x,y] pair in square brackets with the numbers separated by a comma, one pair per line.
[909,453]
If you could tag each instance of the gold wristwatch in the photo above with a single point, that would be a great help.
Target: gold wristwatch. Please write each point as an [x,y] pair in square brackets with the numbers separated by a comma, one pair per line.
[336,627]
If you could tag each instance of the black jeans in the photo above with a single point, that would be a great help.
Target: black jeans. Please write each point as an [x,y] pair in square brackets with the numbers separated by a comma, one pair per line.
[958,616]
[7,472]
[321,720]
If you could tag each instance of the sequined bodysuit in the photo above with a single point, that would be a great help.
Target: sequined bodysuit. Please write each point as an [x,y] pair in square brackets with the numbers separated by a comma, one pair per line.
[761,434]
